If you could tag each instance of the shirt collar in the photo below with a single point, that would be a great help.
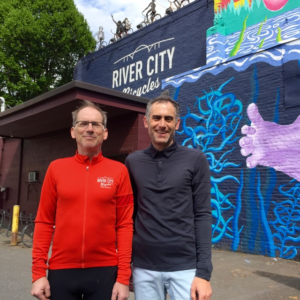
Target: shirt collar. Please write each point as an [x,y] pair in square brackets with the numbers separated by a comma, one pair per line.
[84,159]
[166,152]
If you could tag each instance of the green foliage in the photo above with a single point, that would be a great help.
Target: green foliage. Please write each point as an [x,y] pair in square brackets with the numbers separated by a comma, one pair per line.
[40,43]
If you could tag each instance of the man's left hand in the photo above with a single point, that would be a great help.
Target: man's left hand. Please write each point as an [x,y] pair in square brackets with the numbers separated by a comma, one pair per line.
[120,292]
[201,289]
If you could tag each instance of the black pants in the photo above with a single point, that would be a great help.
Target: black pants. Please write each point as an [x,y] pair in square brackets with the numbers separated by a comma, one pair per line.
[78,284]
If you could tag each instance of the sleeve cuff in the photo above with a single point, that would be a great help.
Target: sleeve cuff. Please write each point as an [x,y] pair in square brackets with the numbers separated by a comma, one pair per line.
[38,273]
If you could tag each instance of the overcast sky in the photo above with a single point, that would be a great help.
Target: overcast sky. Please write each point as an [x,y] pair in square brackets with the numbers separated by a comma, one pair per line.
[98,12]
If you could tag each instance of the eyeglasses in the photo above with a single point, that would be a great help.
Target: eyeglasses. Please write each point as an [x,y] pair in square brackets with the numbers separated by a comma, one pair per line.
[84,124]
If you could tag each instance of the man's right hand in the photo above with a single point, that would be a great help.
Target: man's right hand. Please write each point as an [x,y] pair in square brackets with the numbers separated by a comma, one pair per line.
[41,289]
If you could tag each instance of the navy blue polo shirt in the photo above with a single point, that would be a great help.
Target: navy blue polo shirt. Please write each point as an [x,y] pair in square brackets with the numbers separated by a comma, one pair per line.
[172,209]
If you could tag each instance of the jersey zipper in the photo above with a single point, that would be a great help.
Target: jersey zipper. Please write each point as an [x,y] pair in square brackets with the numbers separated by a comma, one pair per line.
[84,217]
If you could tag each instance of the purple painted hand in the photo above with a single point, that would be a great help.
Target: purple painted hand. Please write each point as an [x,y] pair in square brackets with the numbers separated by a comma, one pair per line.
[271,145]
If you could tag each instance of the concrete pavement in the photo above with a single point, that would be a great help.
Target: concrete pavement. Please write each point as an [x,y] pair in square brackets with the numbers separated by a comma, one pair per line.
[236,276]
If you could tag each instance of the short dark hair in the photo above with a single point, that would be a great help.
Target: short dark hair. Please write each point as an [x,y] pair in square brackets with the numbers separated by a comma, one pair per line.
[84,104]
[163,97]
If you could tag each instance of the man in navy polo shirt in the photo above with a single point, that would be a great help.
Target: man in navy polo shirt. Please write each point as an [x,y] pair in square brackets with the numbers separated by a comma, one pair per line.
[172,238]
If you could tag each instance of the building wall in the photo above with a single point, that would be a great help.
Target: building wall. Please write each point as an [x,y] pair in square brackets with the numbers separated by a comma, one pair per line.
[238,88]
[126,134]
[143,136]
[38,152]
[243,113]
[10,172]
[137,63]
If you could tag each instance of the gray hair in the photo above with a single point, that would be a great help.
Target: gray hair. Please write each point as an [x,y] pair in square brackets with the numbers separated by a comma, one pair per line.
[163,97]
[84,104]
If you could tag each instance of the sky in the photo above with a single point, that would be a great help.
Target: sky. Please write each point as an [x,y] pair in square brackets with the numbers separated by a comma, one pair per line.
[98,13]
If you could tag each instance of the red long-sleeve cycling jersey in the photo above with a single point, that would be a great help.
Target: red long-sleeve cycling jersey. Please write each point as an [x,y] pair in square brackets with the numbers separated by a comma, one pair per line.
[90,203]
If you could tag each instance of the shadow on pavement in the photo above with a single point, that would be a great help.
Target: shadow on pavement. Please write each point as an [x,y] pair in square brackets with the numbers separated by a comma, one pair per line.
[293,282]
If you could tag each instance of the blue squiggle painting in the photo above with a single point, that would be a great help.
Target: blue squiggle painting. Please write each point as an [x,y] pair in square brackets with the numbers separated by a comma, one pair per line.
[213,130]
[281,233]
[286,224]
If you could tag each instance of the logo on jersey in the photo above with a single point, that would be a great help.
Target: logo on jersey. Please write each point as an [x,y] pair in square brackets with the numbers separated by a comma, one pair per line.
[105,182]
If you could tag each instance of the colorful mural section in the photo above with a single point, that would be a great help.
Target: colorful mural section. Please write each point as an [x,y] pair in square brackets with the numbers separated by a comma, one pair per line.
[244,27]
[237,113]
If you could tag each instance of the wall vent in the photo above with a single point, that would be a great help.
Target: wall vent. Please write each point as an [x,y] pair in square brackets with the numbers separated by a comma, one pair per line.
[33,176]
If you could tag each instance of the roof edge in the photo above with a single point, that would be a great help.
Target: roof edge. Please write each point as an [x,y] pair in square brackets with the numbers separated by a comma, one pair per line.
[69,86]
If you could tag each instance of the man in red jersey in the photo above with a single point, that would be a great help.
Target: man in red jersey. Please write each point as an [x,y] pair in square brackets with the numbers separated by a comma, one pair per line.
[88,198]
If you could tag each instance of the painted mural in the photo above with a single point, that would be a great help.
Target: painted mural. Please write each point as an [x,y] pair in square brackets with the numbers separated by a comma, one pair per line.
[238,87]
[272,5]
[243,27]
[218,115]
[276,146]
[236,114]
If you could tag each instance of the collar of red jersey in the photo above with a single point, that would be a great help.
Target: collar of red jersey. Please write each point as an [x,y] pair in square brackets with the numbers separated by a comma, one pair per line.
[84,159]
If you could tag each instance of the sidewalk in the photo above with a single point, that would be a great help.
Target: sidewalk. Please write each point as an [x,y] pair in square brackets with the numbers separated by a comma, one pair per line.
[236,276]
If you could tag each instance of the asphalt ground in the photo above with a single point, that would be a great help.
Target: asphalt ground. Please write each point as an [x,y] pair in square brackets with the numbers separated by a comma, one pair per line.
[236,276]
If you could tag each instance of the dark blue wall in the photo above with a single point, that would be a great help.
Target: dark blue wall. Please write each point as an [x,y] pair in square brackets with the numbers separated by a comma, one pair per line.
[167,46]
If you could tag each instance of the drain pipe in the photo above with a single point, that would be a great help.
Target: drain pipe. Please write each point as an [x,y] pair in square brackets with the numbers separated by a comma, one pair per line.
[2,104]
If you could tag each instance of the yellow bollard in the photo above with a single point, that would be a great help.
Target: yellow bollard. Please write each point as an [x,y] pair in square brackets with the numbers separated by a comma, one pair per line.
[15,225]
